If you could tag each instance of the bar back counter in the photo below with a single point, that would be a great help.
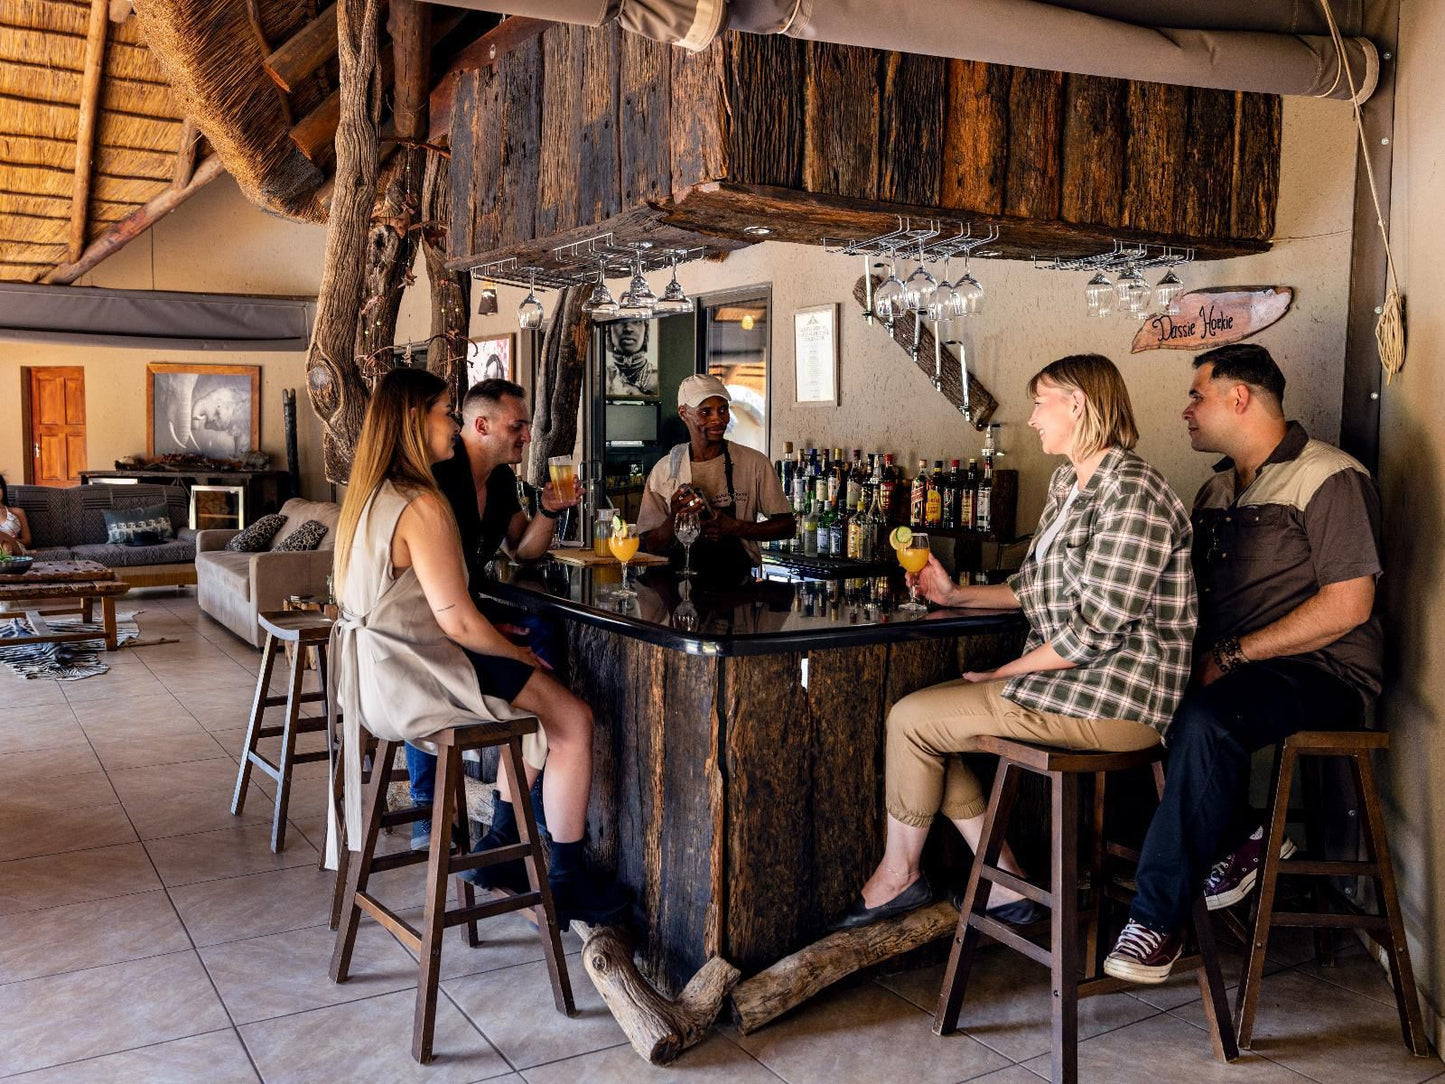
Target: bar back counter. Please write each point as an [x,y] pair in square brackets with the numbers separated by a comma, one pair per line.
[738,781]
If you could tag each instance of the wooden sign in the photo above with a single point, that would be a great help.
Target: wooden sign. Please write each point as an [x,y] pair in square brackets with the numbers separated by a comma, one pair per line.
[1214,317]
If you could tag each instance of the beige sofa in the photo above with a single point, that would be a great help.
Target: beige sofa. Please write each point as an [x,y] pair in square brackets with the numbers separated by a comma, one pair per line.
[234,587]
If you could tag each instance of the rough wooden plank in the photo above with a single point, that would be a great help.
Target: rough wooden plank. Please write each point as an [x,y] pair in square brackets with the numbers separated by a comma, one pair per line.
[504,38]
[558,157]
[698,118]
[768,733]
[768,127]
[1158,117]
[1032,184]
[1206,194]
[841,111]
[185,164]
[910,134]
[464,197]
[687,760]
[845,699]
[1256,167]
[975,143]
[410,25]
[1093,149]
[599,179]
[521,129]
[596,664]
[644,121]
[917,664]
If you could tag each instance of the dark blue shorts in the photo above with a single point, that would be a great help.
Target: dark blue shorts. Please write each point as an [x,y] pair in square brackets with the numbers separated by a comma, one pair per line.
[498,675]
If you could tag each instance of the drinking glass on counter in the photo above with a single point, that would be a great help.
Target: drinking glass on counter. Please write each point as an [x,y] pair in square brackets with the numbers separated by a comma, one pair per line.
[623,543]
[687,528]
[601,532]
[912,550]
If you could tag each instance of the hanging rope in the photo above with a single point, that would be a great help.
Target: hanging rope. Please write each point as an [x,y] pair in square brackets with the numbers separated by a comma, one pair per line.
[1390,327]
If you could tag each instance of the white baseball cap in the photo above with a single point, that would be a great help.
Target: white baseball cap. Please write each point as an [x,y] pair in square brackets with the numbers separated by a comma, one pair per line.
[692,391]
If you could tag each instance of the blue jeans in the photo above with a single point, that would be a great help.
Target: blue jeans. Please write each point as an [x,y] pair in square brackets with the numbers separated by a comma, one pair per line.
[1202,815]
[421,768]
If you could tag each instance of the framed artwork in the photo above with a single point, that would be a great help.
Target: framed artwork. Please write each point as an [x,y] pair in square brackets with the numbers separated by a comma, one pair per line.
[492,359]
[629,359]
[207,410]
[815,354]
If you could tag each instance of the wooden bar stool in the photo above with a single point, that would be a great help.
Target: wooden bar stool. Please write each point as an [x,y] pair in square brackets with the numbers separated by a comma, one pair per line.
[1064,769]
[448,816]
[302,630]
[1386,930]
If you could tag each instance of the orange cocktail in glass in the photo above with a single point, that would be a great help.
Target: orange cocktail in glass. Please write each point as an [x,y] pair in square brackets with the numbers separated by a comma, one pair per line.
[913,555]
[623,544]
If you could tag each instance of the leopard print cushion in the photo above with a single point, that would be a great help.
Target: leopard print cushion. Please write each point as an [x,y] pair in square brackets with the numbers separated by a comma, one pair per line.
[257,537]
[305,537]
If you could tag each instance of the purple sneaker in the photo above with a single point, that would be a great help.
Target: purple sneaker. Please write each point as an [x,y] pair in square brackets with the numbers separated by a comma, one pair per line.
[1233,878]
[1143,955]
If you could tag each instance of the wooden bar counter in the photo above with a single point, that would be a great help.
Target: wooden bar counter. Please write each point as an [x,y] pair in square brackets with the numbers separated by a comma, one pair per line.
[738,787]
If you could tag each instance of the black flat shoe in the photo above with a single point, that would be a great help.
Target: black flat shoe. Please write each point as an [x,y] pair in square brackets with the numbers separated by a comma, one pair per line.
[918,894]
[509,875]
[1018,913]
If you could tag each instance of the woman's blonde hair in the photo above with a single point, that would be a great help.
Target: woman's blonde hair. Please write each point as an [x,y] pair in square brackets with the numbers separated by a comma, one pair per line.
[393,448]
[1108,418]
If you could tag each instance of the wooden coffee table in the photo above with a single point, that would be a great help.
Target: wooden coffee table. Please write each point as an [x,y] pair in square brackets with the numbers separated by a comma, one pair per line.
[61,587]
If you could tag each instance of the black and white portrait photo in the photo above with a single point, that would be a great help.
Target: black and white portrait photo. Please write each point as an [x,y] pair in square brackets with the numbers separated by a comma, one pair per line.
[629,350]
[206,410]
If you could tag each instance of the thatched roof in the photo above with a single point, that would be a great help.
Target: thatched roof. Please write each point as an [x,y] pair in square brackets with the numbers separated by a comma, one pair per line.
[43,50]
[80,83]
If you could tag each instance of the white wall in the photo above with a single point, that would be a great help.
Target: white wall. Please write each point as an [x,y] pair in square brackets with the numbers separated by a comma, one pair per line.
[1412,480]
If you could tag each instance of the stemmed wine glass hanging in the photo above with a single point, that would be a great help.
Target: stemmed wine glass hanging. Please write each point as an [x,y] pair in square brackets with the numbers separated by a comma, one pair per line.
[591,262]
[1128,293]
[930,296]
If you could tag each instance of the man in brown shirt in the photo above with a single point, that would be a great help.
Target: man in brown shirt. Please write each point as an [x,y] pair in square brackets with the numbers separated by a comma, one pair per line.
[1286,554]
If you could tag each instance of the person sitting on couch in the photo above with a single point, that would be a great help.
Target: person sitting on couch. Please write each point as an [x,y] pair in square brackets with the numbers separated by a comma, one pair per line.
[14,527]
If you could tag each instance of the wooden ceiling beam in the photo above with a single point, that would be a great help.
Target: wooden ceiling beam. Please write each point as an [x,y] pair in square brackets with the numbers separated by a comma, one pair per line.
[127,229]
[85,129]
[186,154]
[253,16]
[410,25]
[305,51]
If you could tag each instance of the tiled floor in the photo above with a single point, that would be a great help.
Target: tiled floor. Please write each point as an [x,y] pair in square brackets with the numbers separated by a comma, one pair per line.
[147,935]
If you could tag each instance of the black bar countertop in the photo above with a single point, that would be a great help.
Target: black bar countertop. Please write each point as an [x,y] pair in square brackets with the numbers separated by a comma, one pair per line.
[749,616]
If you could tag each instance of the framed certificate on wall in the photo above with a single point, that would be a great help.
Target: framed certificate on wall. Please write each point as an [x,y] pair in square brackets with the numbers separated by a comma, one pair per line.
[815,354]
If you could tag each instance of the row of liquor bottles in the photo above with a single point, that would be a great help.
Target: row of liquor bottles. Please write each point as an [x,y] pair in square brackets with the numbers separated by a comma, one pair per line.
[845,508]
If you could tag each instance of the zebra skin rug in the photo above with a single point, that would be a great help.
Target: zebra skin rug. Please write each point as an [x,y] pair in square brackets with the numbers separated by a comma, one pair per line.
[64,662]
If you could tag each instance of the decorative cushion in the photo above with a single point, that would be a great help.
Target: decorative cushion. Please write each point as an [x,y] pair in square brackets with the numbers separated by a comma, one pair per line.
[124,524]
[305,537]
[257,537]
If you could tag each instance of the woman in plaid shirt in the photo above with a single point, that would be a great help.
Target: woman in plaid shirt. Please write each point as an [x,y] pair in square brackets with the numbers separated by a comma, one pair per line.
[1108,591]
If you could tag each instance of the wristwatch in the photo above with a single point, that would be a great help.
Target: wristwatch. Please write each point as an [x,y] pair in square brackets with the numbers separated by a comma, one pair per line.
[549,513]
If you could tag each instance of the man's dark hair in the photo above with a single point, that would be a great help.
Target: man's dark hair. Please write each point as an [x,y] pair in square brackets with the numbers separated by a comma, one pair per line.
[490,392]
[1246,363]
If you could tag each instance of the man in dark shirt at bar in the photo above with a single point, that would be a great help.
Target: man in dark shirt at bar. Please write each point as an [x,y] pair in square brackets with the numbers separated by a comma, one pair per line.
[1286,554]
[480,485]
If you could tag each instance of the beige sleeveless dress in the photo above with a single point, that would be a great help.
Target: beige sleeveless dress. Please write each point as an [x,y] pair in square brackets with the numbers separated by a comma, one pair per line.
[393,670]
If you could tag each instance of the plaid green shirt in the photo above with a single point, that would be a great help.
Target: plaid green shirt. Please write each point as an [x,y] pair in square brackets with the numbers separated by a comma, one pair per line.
[1114,595]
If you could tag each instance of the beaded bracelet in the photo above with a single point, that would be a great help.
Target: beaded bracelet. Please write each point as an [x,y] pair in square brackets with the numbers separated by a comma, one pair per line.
[1228,655]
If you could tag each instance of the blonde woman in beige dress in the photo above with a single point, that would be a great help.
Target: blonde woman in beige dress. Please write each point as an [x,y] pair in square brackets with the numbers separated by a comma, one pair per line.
[416,656]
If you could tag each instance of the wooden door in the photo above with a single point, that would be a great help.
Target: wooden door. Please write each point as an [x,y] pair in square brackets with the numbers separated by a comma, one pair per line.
[56,425]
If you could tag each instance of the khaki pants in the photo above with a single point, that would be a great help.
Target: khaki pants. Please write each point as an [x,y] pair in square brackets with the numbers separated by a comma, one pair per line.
[928,728]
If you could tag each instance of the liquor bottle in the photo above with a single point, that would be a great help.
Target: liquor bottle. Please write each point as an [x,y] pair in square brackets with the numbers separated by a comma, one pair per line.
[983,504]
[798,490]
[933,497]
[875,528]
[821,508]
[856,477]
[834,479]
[952,486]
[918,497]
[855,525]
[895,493]
[838,534]
[784,468]
[968,497]
[809,530]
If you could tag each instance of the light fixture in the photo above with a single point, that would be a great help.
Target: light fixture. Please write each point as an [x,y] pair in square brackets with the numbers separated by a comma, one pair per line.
[747,321]
[757,231]
[487,299]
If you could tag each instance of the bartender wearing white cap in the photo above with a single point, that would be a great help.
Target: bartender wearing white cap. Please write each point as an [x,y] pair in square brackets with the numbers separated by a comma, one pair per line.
[732,487]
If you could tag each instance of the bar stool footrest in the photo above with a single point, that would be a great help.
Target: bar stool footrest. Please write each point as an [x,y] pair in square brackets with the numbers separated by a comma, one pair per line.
[1024,888]
[1329,920]
[1005,934]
